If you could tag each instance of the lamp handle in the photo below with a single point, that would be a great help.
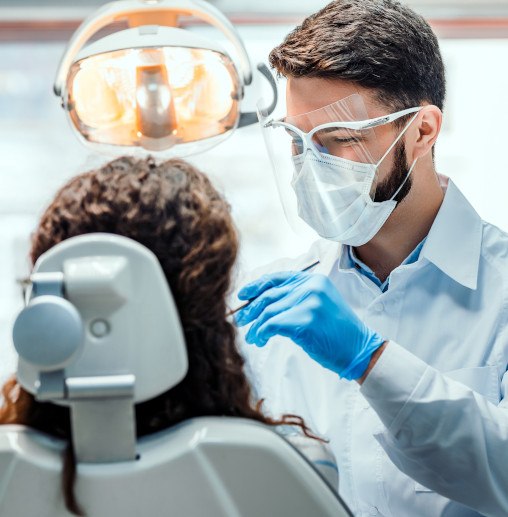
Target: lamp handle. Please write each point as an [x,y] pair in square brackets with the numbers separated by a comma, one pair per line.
[251,117]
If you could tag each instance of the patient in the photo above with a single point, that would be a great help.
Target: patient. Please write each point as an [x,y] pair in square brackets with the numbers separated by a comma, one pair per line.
[174,211]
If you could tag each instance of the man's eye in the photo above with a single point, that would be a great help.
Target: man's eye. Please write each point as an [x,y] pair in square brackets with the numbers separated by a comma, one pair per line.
[345,140]
[337,141]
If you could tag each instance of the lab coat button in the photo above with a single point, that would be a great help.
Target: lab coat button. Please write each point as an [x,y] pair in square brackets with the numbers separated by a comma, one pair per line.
[373,510]
[378,307]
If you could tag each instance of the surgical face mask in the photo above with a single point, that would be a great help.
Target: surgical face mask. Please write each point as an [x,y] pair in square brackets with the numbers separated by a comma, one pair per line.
[334,195]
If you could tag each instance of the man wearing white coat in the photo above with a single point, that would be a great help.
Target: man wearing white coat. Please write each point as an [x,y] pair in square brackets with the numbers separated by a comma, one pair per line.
[395,346]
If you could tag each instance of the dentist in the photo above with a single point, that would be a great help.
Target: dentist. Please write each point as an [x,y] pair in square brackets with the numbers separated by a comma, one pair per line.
[410,297]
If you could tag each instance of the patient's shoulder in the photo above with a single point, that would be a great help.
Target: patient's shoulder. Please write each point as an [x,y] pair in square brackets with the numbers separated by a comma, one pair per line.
[315,451]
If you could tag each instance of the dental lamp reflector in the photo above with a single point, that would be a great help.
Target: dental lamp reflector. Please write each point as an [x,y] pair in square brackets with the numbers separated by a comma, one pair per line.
[154,87]
[153,97]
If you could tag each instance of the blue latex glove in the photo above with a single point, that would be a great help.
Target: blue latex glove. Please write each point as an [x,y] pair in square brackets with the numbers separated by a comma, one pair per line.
[308,309]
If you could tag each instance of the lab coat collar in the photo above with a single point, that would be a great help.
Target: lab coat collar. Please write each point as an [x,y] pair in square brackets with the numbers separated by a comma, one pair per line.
[455,238]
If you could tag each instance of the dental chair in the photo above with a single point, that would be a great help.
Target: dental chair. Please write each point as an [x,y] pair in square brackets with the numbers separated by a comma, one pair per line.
[101,333]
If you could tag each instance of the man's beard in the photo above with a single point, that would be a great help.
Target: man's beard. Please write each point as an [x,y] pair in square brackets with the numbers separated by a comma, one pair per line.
[386,189]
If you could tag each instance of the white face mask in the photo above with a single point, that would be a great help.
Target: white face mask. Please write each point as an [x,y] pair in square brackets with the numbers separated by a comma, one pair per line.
[334,196]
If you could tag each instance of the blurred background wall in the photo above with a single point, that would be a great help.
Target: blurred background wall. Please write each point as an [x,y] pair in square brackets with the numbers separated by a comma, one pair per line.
[38,152]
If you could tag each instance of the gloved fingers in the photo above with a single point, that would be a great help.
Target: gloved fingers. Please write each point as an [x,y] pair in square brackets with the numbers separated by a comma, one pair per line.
[279,307]
[259,304]
[283,314]
[255,288]
[290,324]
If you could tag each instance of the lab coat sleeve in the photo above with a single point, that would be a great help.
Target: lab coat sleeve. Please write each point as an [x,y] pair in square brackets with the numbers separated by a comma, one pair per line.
[439,432]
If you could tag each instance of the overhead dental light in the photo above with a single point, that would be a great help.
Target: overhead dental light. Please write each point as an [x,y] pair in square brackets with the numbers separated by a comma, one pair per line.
[154,86]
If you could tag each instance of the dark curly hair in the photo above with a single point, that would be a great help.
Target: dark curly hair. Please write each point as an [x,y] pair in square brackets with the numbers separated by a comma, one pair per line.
[174,211]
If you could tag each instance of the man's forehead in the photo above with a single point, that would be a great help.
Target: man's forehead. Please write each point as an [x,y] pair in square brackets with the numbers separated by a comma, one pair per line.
[311,94]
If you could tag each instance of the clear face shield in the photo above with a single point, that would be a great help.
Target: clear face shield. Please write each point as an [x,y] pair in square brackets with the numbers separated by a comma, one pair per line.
[341,141]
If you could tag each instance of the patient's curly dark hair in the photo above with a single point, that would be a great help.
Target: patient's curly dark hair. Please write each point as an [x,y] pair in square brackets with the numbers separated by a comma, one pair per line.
[172,209]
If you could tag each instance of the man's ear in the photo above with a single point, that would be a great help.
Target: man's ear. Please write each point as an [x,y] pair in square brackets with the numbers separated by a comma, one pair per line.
[426,130]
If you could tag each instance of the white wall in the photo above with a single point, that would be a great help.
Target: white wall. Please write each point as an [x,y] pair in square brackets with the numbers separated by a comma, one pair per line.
[38,152]
[78,9]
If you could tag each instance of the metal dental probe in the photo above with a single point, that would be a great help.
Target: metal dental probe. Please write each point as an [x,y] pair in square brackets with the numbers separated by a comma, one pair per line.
[233,311]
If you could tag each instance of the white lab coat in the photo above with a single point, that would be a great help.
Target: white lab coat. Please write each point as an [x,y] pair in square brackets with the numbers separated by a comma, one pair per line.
[433,406]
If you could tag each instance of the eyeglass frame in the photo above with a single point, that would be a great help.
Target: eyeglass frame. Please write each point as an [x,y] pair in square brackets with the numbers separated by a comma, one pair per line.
[353,125]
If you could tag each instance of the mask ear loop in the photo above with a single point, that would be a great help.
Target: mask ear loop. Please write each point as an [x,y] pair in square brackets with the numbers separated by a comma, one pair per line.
[392,145]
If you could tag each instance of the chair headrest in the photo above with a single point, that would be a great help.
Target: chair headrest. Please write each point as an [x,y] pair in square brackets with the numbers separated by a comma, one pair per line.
[99,306]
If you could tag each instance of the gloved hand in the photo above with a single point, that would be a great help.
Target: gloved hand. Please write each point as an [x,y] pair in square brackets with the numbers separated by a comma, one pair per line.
[308,309]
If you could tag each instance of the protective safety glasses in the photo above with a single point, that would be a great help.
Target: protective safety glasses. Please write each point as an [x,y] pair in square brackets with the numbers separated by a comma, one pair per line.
[347,139]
